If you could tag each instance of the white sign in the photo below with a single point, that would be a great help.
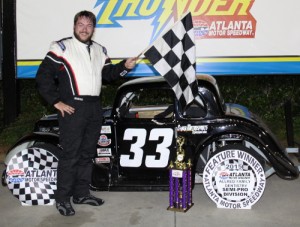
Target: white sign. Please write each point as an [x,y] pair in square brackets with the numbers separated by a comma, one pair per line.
[234,179]
[177,173]
[232,36]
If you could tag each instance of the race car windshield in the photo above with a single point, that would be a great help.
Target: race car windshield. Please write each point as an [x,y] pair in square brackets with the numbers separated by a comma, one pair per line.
[144,103]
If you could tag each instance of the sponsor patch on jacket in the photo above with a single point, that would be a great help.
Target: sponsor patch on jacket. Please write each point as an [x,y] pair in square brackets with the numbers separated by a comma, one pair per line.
[104,141]
[61,45]
[104,151]
[195,129]
[123,73]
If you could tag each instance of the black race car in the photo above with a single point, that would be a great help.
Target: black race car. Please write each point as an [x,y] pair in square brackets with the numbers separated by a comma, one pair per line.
[139,133]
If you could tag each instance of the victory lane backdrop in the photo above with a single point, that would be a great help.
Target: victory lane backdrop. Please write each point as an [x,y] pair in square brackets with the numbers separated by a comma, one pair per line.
[240,37]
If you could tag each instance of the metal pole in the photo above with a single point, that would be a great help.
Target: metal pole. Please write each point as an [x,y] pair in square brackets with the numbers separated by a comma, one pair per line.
[10,91]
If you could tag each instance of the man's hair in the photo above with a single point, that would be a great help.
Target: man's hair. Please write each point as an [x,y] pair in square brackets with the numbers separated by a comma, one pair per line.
[87,14]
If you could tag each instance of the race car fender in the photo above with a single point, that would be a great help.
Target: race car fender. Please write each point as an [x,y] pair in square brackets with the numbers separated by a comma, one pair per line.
[29,140]
[265,142]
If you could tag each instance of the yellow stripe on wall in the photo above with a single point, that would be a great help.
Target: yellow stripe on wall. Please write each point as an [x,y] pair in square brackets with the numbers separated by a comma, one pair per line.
[199,60]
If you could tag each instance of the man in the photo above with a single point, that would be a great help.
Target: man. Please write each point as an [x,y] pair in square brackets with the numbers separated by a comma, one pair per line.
[79,64]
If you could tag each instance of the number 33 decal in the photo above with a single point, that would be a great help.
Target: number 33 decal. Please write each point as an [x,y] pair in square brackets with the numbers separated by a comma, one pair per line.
[137,147]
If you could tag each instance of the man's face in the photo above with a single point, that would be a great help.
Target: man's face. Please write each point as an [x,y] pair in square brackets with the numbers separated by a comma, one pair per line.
[84,29]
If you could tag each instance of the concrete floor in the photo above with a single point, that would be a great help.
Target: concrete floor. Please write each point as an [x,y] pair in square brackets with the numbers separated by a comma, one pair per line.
[279,206]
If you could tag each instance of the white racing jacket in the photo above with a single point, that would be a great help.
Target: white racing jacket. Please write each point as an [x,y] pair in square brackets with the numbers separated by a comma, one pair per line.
[79,69]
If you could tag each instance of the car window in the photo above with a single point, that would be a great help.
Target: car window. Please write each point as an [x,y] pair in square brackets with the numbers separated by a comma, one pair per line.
[195,110]
[147,103]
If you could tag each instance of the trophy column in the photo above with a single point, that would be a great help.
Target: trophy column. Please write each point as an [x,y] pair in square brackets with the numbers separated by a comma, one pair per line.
[180,182]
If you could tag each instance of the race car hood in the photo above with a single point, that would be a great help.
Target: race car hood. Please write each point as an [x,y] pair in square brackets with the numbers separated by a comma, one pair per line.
[233,109]
[238,110]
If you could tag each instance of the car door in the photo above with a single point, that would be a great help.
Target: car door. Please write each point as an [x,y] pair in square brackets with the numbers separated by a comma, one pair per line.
[145,132]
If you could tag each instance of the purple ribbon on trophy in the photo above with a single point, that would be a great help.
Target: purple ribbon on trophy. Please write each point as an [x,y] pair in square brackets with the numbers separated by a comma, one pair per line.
[180,185]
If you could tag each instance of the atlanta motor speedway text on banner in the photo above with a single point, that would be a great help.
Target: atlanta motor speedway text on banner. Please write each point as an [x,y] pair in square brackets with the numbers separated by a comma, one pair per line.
[233,37]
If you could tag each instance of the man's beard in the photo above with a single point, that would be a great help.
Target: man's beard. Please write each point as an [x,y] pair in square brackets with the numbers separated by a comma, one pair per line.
[88,40]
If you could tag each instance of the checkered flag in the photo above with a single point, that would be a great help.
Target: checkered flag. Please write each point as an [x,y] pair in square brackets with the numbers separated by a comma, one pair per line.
[174,57]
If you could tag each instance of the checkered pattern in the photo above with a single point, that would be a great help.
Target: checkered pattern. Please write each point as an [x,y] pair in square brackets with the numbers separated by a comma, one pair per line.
[23,179]
[174,57]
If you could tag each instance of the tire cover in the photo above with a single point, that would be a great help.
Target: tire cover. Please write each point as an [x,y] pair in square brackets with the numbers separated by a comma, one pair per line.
[31,176]
[234,179]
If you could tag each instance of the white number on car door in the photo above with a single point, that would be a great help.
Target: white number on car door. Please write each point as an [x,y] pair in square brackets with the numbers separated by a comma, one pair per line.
[136,148]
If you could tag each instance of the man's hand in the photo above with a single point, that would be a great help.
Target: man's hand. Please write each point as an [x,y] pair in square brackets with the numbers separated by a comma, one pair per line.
[131,62]
[62,107]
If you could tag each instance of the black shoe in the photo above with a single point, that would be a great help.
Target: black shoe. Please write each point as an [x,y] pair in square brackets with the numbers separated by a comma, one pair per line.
[89,199]
[65,208]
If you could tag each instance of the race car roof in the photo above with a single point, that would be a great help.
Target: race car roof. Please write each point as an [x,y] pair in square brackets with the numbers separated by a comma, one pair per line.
[157,79]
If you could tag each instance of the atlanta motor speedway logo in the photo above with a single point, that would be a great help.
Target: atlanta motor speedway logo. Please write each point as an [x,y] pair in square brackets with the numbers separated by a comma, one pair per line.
[234,179]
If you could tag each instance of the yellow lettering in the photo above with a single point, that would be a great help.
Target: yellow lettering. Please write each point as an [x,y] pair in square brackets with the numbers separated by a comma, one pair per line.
[214,9]
[198,8]
[238,7]
[132,4]
[146,11]
[107,12]
[167,11]
[245,6]
[181,6]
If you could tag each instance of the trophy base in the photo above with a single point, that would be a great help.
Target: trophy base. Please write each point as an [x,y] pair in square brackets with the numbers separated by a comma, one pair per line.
[180,209]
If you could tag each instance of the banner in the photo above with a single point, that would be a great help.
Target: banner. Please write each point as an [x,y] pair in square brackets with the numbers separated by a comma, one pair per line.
[233,37]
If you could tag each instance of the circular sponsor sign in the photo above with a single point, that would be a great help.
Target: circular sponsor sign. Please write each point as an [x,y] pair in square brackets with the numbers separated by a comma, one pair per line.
[31,176]
[201,28]
[234,179]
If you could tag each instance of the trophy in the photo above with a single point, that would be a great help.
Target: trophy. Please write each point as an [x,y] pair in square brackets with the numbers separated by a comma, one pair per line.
[180,185]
